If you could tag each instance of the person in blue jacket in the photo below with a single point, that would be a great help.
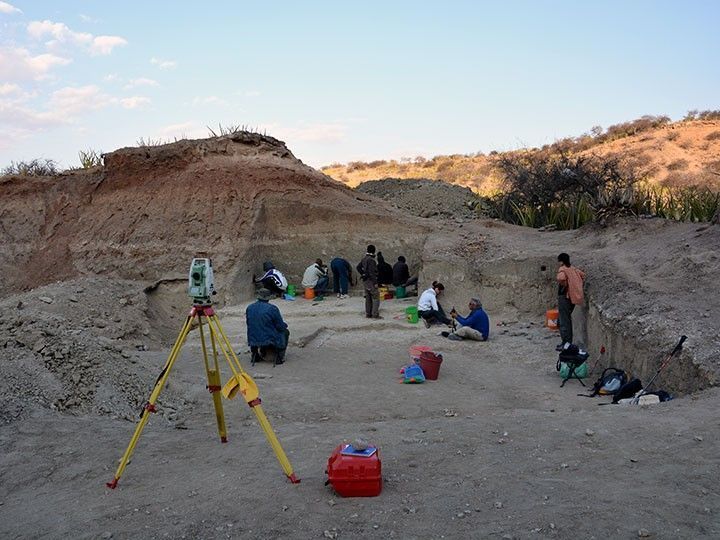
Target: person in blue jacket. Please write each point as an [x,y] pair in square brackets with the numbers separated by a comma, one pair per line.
[266,329]
[475,326]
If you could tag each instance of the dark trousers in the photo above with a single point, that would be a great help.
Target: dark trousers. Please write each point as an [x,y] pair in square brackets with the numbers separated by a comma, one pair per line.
[431,315]
[340,279]
[565,309]
[260,351]
[270,285]
[372,299]
[321,285]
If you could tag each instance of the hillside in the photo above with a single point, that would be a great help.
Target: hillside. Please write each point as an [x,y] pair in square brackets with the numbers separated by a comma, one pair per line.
[674,154]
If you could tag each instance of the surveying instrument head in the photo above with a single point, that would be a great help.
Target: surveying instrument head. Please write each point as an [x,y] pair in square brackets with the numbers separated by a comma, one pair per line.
[201,284]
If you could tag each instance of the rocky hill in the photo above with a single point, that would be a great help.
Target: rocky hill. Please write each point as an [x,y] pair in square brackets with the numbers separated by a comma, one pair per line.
[676,154]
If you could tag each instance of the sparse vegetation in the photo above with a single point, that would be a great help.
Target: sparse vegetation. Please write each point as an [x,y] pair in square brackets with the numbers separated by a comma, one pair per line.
[702,115]
[151,142]
[35,167]
[713,136]
[678,165]
[90,158]
[231,129]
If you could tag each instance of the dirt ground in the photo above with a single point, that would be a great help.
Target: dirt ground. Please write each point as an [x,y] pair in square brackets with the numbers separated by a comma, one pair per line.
[493,449]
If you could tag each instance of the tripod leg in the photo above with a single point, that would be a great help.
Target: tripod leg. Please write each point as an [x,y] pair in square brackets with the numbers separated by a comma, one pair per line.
[150,405]
[252,397]
[213,376]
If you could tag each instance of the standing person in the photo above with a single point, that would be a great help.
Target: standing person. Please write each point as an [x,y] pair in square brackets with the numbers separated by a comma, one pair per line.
[316,276]
[385,272]
[429,308]
[475,326]
[342,276]
[367,268]
[272,279]
[266,329]
[570,293]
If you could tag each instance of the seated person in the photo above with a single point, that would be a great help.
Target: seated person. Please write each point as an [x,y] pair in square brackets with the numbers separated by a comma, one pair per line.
[475,326]
[272,279]
[266,330]
[429,309]
[385,272]
[316,277]
[401,274]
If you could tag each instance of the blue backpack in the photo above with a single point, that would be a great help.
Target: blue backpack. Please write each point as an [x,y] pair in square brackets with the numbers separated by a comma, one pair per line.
[413,374]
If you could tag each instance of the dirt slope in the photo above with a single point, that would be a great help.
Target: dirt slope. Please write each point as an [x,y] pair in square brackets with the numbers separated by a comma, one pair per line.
[244,198]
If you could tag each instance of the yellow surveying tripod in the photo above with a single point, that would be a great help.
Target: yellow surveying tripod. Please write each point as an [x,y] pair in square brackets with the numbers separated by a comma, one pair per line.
[240,381]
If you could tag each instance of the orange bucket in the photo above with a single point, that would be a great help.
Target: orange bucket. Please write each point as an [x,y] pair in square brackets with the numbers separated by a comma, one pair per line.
[551,319]
[309,293]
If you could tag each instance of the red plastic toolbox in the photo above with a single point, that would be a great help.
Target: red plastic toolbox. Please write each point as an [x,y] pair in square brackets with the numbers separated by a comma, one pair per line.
[354,476]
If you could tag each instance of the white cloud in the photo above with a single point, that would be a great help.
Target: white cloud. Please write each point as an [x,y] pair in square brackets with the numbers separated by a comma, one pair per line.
[163,64]
[61,34]
[103,45]
[17,64]
[251,93]
[7,89]
[142,81]
[309,133]
[134,102]
[8,8]
[73,100]
[111,77]
[87,18]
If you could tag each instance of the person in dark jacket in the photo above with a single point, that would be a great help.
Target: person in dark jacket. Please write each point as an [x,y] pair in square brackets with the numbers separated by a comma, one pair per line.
[272,279]
[367,268]
[266,329]
[475,326]
[401,274]
[342,276]
[385,271]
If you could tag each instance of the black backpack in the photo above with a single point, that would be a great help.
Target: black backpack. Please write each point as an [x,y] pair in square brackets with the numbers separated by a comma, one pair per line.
[610,382]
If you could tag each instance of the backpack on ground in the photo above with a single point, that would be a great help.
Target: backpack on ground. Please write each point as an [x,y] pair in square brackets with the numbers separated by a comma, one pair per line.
[610,382]
[628,390]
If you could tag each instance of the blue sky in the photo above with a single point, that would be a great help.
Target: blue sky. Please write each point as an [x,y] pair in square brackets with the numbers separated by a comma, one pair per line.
[342,81]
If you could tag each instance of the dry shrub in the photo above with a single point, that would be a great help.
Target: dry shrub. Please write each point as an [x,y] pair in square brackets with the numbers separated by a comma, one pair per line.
[678,165]
[687,143]
[356,166]
[713,136]
[673,135]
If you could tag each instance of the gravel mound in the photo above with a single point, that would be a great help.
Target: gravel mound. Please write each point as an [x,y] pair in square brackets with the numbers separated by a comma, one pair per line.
[424,198]
[78,347]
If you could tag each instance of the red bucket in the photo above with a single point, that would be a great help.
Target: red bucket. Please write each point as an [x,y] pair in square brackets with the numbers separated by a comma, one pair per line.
[430,364]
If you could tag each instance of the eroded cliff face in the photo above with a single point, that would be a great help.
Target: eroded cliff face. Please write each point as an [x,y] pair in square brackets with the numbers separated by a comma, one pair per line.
[242,198]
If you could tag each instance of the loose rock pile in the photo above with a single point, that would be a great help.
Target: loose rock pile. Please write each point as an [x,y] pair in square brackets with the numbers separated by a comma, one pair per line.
[76,347]
[424,198]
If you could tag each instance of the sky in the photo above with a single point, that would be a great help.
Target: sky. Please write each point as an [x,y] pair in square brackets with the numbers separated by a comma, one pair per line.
[345,81]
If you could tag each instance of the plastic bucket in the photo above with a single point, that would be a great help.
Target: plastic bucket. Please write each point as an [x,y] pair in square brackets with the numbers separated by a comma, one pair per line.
[430,364]
[551,319]
[416,350]
[291,290]
[309,293]
[412,314]
[400,292]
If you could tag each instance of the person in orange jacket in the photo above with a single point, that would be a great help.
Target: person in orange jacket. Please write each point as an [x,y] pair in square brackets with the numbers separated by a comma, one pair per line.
[570,294]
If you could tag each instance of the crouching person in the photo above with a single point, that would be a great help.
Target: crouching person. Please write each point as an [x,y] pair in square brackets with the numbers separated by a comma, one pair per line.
[475,326]
[267,332]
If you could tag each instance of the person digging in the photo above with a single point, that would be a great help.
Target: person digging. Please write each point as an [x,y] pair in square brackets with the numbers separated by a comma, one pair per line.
[476,326]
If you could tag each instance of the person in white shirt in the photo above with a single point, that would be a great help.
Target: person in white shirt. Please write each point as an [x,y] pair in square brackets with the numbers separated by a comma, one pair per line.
[429,309]
[316,276]
[272,279]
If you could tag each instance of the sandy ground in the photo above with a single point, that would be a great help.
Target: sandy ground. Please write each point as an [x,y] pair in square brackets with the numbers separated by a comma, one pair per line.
[493,449]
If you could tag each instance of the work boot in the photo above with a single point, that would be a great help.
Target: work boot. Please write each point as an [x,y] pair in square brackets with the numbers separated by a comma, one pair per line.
[454,337]
[378,317]
[426,322]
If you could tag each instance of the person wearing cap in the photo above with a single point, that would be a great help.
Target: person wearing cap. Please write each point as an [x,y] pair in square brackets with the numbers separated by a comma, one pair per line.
[475,326]
[266,329]
[272,279]
[316,277]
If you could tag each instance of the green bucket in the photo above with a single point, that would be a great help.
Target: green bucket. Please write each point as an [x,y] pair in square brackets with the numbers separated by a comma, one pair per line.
[400,292]
[412,314]
[291,290]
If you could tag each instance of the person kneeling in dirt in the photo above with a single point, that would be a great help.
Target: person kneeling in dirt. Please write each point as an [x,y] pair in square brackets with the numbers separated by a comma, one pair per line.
[272,279]
[401,274]
[475,326]
[267,332]
[429,308]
